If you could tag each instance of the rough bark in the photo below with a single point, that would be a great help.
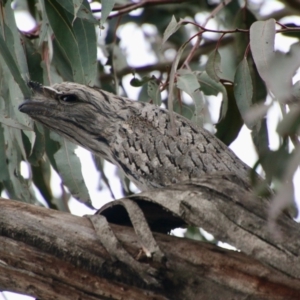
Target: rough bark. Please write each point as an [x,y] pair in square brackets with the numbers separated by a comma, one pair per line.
[54,255]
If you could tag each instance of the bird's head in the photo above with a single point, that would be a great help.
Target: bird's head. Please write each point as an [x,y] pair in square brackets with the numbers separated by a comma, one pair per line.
[84,115]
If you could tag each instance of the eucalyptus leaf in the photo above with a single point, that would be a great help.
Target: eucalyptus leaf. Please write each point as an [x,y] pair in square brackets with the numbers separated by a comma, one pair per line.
[38,148]
[172,28]
[65,37]
[184,109]
[16,47]
[243,89]
[231,121]
[13,123]
[87,47]
[76,4]
[209,86]
[213,66]
[79,9]
[69,168]
[262,38]
[199,107]
[13,67]
[154,92]
[107,6]
[281,82]
[4,174]
[290,122]
[188,83]
[19,188]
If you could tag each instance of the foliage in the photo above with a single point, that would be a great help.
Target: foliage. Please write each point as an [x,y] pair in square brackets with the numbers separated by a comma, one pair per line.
[235,60]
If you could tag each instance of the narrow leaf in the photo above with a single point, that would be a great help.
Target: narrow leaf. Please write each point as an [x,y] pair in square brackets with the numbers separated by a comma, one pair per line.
[172,28]
[107,6]
[256,113]
[69,168]
[213,66]
[188,83]
[231,121]
[15,45]
[13,123]
[209,86]
[243,89]
[262,37]
[76,4]
[4,174]
[87,47]
[65,38]
[290,123]
[13,67]
[154,92]
[199,106]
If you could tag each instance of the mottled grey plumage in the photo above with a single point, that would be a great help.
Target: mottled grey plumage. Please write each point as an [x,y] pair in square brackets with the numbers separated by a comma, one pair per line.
[135,136]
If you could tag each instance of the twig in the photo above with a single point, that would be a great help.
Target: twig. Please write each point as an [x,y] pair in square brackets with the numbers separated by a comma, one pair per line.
[163,66]
[124,9]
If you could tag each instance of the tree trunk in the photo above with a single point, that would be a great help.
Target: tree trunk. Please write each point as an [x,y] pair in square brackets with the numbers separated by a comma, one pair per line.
[53,255]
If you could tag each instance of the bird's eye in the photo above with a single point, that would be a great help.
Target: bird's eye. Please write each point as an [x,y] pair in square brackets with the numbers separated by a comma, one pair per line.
[68,98]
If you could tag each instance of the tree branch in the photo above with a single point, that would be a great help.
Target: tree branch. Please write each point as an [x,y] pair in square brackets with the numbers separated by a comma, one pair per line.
[50,254]
[127,8]
[165,66]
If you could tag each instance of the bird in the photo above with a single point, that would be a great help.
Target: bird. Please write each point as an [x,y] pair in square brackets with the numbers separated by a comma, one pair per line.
[137,137]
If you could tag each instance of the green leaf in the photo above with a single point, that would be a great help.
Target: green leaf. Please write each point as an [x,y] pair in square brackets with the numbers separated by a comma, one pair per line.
[213,66]
[4,174]
[62,65]
[243,19]
[13,123]
[260,137]
[99,164]
[188,111]
[188,83]
[243,89]
[17,187]
[16,43]
[290,122]
[262,37]
[154,92]
[136,82]
[69,168]
[209,86]
[296,91]
[87,47]
[107,6]
[281,82]
[34,60]
[119,61]
[12,65]
[77,5]
[38,149]
[79,9]
[199,106]
[212,88]
[231,122]
[256,113]
[172,28]
[77,44]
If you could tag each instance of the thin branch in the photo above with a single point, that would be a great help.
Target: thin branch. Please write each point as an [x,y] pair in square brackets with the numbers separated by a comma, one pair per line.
[164,66]
[127,8]
[199,36]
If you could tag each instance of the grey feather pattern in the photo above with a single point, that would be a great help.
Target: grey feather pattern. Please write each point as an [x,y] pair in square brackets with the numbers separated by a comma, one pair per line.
[135,136]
